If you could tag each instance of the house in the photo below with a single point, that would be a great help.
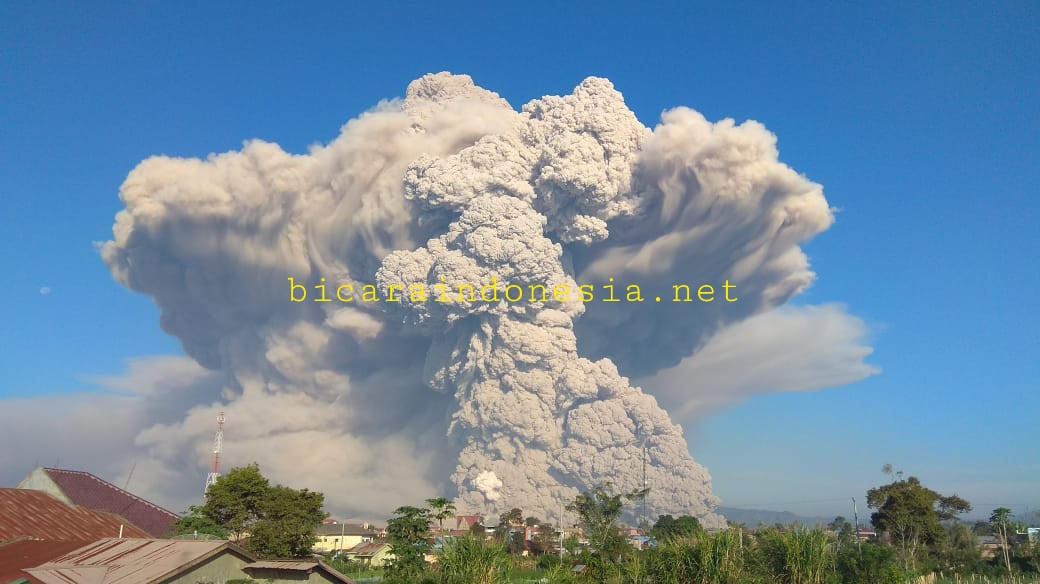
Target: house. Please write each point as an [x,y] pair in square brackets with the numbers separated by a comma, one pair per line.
[373,554]
[167,561]
[461,524]
[865,534]
[145,561]
[313,572]
[343,536]
[989,545]
[36,515]
[86,490]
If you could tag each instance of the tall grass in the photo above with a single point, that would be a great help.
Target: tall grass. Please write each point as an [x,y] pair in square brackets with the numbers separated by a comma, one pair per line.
[707,559]
[799,556]
[976,579]
[470,560]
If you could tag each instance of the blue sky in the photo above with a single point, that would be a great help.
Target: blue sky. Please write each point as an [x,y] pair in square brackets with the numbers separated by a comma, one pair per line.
[920,121]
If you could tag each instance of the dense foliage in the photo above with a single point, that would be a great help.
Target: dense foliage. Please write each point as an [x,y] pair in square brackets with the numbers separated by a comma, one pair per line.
[408,534]
[280,522]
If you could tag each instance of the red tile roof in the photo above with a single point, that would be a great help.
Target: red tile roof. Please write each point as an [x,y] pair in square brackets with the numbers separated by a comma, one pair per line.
[468,520]
[86,490]
[19,555]
[25,513]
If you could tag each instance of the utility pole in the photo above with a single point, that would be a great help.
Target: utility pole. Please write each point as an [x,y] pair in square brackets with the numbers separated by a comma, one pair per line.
[562,505]
[644,521]
[855,515]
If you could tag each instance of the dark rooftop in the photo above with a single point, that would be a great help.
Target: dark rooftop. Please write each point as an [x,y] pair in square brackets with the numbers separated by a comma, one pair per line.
[86,490]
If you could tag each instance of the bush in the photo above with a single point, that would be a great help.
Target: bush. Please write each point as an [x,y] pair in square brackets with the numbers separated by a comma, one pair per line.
[870,564]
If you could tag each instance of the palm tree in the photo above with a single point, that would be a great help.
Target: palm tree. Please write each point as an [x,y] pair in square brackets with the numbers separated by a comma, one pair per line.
[442,509]
[999,519]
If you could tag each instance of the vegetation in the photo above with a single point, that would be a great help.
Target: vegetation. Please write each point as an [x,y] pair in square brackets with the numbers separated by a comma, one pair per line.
[408,534]
[668,527]
[920,542]
[280,522]
[195,523]
[911,514]
[441,509]
[472,560]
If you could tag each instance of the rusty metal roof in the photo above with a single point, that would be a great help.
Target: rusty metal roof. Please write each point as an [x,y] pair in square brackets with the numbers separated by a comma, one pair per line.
[367,549]
[87,490]
[19,555]
[296,566]
[32,514]
[130,561]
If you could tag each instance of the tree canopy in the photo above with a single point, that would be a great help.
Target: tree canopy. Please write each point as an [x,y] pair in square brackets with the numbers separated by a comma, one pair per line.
[668,527]
[408,534]
[280,521]
[911,513]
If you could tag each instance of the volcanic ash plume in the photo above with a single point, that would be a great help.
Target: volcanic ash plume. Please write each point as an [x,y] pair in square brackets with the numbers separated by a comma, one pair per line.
[452,187]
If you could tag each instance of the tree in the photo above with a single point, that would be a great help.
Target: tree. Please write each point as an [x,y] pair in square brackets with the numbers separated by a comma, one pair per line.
[441,509]
[668,527]
[599,511]
[507,533]
[408,534]
[842,528]
[234,501]
[999,520]
[290,518]
[194,522]
[544,539]
[280,521]
[911,513]
[515,517]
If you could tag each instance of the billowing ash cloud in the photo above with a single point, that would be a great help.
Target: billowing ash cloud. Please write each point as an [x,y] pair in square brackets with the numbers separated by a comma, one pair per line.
[507,404]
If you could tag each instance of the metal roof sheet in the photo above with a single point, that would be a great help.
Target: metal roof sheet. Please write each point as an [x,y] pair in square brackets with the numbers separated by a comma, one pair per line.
[19,555]
[297,566]
[37,515]
[284,565]
[130,561]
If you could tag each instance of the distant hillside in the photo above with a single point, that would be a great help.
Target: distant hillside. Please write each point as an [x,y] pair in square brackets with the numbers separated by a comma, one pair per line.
[756,517]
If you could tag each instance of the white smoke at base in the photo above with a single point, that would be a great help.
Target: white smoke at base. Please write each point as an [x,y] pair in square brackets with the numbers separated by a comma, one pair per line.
[488,484]
[452,182]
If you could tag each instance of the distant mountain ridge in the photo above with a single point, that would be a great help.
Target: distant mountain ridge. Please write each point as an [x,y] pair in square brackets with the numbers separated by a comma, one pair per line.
[754,517]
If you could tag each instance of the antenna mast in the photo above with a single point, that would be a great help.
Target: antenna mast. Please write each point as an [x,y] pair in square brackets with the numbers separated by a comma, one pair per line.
[218,443]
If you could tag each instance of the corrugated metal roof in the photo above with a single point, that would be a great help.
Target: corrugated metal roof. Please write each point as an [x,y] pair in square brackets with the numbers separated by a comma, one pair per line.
[35,514]
[294,565]
[367,548]
[345,529]
[130,561]
[19,555]
[87,490]
[297,566]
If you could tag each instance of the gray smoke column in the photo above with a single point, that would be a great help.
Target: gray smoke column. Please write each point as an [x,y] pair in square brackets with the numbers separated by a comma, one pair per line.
[452,186]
